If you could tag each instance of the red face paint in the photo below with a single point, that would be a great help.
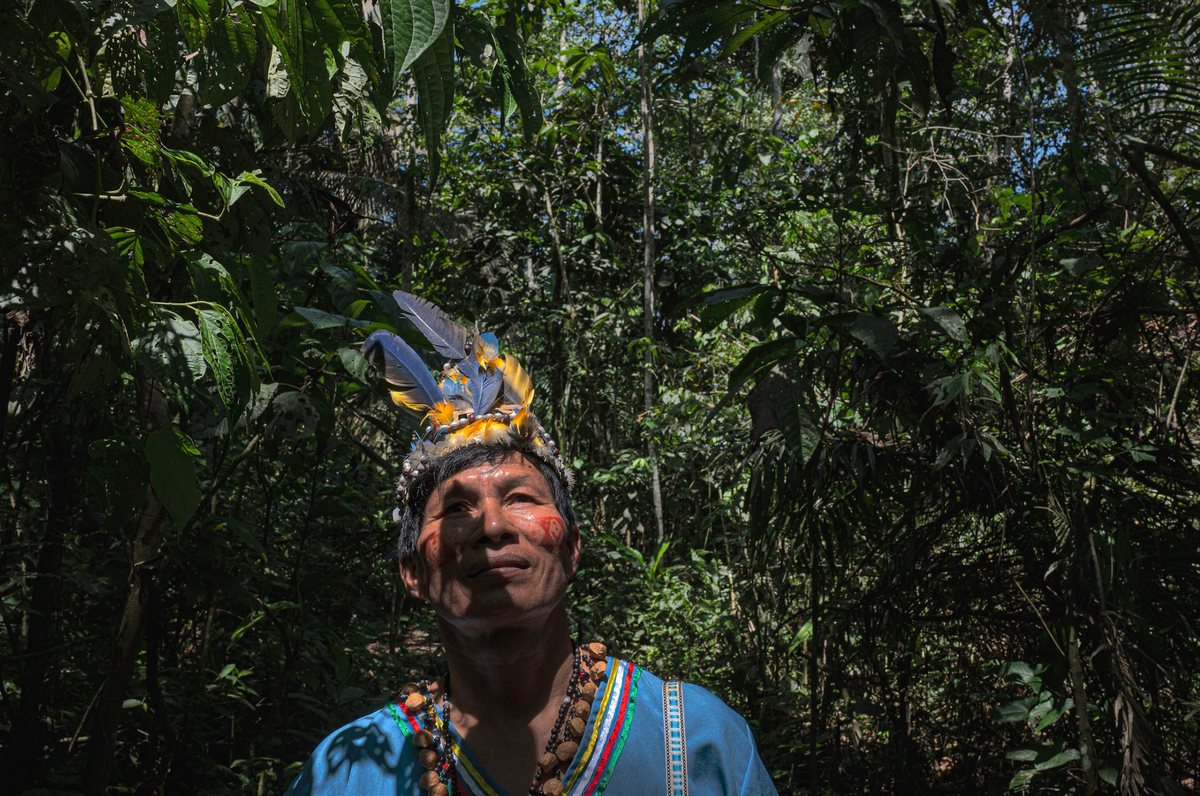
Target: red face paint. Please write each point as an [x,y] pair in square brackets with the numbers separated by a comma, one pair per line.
[437,556]
[552,532]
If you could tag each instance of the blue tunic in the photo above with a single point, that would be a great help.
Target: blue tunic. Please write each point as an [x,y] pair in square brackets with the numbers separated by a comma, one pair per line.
[622,751]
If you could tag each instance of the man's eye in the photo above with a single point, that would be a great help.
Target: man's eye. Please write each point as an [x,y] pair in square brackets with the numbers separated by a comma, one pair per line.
[455,508]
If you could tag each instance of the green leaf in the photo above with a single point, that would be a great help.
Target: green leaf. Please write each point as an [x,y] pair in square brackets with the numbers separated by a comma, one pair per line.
[290,27]
[1067,755]
[180,222]
[1016,710]
[802,635]
[510,50]
[173,472]
[1054,714]
[252,178]
[1021,779]
[1078,266]
[409,28]
[1023,673]
[225,352]
[1023,753]
[228,55]
[140,135]
[948,321]
[652,570]
[433,73]
[172,351]
[355,363]
[799,429]
[320,319]
[875,332]
[762,357]
[720,304]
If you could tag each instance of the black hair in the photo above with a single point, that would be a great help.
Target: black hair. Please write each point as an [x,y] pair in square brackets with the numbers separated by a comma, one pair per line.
[412,514]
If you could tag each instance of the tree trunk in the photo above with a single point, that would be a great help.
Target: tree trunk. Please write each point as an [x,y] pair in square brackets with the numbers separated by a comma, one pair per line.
[1087,746]
[776,100]
[648,167]
[128,642]
[28,731]
[599,174]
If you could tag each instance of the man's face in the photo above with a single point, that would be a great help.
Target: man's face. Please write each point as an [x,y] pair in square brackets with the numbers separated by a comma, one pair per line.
[492,547]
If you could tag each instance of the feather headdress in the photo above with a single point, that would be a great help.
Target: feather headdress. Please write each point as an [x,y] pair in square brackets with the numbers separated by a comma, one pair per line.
[482,397]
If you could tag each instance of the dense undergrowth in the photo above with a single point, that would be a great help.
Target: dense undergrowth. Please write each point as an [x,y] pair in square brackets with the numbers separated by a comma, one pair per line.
[920,315]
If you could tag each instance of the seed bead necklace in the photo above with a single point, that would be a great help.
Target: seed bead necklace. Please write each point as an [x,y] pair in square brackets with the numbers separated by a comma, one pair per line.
[588,666]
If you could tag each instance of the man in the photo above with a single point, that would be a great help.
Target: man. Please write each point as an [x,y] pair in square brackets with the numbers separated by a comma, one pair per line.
[489,538]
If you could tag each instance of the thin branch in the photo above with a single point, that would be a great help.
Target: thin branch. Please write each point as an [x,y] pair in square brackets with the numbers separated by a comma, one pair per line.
[1151,185]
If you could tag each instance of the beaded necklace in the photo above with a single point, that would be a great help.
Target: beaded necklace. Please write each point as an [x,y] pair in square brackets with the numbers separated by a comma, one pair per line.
[437,752]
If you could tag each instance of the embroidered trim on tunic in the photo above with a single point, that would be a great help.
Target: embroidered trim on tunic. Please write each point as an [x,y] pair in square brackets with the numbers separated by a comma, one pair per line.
[593,765]
[676,738]
[409,726]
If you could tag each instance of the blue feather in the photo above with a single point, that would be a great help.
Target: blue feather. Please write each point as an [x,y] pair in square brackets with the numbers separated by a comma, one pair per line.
[413,384]
[485,389]
[446,336]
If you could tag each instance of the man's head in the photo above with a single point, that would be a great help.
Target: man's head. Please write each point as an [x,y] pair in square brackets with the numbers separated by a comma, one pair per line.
[488,532]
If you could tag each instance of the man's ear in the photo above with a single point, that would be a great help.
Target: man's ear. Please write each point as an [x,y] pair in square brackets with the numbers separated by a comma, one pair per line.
[574,548]
[413,575]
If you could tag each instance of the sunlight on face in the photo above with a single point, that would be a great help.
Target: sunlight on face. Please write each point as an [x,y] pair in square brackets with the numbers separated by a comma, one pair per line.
[493,547]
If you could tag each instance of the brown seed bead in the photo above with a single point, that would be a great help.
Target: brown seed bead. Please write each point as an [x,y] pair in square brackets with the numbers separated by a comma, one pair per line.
[430,758]
[439,790]
[582,709]
[552,787]
[547,762]
[414,702]
[599,668]
[577,726]
[565,751]
[588,691]
[596,649]
[429,779]
[423,739]
[409,688]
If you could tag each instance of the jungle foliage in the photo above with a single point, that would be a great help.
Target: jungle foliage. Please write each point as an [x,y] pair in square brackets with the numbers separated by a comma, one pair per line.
[908,286]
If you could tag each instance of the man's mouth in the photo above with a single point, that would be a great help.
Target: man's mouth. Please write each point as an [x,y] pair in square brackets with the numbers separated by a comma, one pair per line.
[500,565]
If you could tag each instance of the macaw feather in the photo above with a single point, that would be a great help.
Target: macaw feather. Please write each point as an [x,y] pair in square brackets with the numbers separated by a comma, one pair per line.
[518,387]
[522,425]
[442,413]
[453,388]
[412,383]
[487,432]
[484,387]
[447,336]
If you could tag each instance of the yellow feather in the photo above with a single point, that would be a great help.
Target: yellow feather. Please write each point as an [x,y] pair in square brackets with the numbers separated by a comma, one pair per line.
[517,383]
[523,423]
[442,414]
[408,398]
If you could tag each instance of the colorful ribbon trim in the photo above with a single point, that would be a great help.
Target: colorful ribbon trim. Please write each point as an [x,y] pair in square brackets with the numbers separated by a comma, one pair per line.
[591,770]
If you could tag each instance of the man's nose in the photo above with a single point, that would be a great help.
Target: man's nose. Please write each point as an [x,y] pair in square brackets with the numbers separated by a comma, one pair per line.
[493,525]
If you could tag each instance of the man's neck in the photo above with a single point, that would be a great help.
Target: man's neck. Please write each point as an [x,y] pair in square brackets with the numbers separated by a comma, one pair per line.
[509,674]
